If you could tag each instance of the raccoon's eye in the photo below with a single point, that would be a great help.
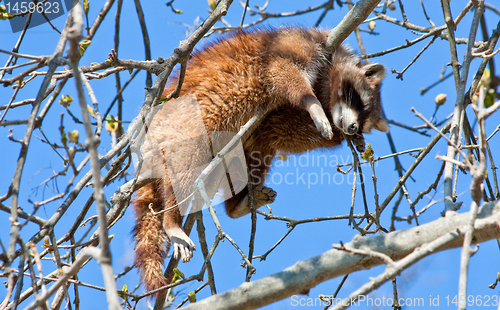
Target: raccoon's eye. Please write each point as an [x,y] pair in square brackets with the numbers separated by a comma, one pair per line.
[353,98]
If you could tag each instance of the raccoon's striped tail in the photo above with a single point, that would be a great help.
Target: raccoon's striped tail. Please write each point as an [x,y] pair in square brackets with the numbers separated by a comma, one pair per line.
[151,240]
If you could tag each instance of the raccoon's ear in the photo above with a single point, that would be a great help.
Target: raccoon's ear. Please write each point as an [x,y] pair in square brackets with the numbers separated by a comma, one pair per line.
[374,73]
[381,125]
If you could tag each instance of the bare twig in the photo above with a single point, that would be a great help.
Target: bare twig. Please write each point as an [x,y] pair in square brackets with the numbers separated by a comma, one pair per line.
[460,83]
[74,37]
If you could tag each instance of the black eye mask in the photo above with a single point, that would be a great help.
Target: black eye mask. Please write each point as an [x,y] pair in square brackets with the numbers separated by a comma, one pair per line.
[352,98]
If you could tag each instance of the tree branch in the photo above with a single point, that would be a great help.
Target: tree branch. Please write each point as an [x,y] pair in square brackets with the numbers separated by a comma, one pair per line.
[304,275]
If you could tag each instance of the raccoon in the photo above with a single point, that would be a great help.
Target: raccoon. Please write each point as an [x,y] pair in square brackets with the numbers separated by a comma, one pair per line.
[288,72]
[349,89]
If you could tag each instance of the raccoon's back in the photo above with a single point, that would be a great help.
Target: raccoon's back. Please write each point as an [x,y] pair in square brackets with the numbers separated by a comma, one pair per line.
[228,81]
[231,77]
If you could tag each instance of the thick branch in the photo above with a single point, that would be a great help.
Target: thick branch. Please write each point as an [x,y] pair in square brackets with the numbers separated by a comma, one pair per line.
[351,20]
[304,275]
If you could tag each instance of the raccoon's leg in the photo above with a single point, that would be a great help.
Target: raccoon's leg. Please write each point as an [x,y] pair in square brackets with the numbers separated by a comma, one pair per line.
[239,205]
[172,223]
[259,162]
[318,115]
[294,83]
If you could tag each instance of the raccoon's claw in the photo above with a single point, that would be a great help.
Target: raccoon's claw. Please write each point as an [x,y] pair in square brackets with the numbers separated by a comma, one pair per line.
[183,246]
[326,130]
[263,195]
[320,120]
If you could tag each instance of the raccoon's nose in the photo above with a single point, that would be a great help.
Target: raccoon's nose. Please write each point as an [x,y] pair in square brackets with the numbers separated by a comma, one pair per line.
[352,129]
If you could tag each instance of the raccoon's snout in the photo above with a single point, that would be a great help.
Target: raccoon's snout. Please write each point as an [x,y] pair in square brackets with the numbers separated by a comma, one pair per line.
[348,129]
[345,118]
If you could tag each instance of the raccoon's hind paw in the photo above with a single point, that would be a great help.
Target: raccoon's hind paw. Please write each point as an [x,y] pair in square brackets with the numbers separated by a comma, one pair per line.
[182,250]
[263,195]
[183,246]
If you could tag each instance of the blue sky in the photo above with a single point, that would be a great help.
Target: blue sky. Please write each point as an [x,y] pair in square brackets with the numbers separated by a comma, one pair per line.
[434,276]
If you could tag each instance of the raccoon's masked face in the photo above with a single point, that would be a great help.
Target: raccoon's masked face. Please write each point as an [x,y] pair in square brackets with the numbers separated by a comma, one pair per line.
[358,107]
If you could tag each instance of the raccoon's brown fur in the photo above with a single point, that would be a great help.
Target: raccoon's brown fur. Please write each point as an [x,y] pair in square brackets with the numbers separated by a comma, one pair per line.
[283,71]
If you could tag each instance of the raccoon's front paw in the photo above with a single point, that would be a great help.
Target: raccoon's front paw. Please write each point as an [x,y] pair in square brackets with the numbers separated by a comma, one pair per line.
[359,142]
[183,246]
[320,120]
[326,129]
[263,195]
